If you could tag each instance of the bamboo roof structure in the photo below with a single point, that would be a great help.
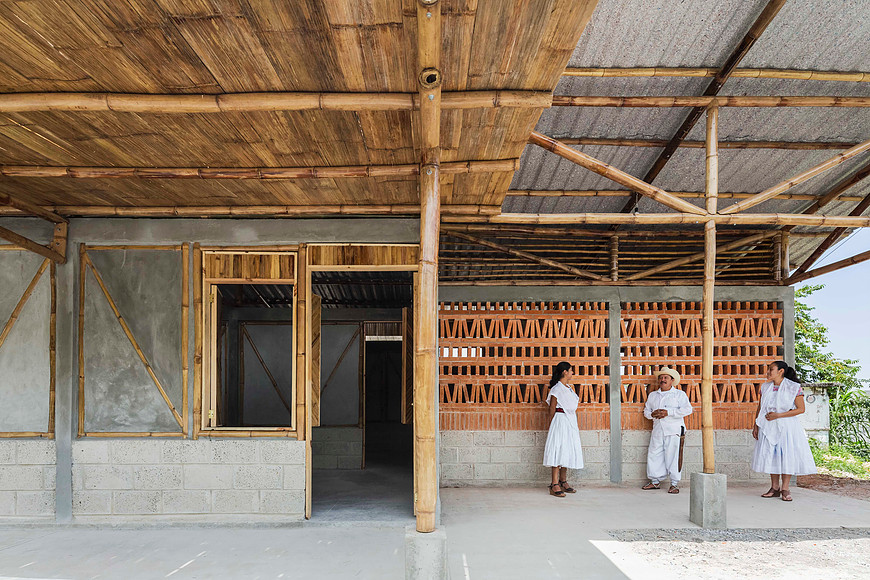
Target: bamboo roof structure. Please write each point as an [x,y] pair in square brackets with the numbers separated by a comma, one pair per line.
[198,108]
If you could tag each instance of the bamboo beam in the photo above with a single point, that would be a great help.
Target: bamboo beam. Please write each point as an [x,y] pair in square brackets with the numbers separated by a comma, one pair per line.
[708,290]
[666,218]
[259,210]
[30,245]
[831,239]
[856,259]
[29,208]
[525,255]
[787,145]
[327,172]
[268,102]
[429,42]
[613,173]
[624,193]
[266,368]
[700,255]
[739,73]
[800,178]
[784,258]
[837,190]
[703,102]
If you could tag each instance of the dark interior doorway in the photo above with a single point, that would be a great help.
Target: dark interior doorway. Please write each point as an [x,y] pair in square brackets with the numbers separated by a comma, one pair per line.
[373,479]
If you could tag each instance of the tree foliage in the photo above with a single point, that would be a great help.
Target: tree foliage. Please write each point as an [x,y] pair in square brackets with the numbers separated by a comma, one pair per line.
[849,404]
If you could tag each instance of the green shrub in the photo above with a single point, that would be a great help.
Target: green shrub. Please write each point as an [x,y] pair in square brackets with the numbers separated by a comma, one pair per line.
[839,461]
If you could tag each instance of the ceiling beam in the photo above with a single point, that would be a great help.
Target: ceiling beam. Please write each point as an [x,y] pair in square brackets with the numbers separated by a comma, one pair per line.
[624,192]
[766,16]
[524,255]
[325,172]
[30,208]
[856,259]
[250,102]
[831,239]
[739,73]
[613,173]
[768,219]
[706,101]
[787,145]
[783,186]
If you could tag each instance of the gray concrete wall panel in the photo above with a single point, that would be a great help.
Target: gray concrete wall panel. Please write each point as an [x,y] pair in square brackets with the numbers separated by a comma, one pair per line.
[25,376]
[262,405]
[146,288]
[119,394]
[339,401]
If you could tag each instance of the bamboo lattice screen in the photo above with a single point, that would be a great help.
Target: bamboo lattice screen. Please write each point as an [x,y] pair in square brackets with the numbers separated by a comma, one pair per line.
[496,359]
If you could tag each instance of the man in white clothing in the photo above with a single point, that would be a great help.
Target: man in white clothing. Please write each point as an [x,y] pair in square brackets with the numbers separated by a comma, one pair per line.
[666,407]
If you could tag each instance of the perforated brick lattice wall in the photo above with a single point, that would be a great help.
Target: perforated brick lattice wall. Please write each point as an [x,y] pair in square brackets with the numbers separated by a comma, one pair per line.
[496,359]
[496,362]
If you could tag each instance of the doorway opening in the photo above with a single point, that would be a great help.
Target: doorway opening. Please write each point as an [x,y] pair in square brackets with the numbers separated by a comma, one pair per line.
[362,444]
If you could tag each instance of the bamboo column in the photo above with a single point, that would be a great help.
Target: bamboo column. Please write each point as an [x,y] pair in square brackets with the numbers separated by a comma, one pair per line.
[426,292]
[784,256]
[301,343]
[712,190]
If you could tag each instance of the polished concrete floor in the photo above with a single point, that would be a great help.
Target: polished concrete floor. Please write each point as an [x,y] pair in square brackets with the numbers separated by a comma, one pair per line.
[380,493]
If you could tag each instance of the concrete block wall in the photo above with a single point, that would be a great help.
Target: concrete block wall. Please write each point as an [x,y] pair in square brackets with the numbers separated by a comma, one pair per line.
[336,447]
[27,479]
[733,454]
[508,458]
[213,480]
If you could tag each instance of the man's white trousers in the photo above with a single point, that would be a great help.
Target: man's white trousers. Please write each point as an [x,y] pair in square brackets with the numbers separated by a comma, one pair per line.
[663,458]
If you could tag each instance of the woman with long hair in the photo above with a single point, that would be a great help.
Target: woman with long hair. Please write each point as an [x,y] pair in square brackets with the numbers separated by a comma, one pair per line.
[782,449]
[562,450]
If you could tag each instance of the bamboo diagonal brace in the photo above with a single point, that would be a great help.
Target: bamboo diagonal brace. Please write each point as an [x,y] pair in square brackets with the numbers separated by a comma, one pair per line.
[856,259]
[28,244]
[132,339]
[614,174]
[800,178]
[7,328]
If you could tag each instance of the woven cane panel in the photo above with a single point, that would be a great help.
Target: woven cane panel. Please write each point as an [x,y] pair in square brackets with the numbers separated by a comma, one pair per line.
[496,362]
[747,336]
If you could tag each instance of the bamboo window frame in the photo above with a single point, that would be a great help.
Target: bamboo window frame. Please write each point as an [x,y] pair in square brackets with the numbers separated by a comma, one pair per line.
[6,329]
[205,335]
[84,264]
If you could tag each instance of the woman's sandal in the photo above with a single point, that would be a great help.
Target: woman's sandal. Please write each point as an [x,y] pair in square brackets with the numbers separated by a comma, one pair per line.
[651,485]
[557,493]
[786,496]
[673,489]
[567,488]
[771,493]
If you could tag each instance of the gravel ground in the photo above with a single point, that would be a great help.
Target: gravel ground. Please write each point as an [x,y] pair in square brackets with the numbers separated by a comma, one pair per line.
[804,553]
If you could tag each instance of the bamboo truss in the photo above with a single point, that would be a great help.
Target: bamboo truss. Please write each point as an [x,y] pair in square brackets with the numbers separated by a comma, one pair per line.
[831,239]
[613,174]
[739,73]
[624,192]
[767,219]
[839,265]
[787,145]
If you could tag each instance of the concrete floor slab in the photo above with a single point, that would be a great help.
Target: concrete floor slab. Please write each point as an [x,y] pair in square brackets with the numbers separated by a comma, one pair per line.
[525,533]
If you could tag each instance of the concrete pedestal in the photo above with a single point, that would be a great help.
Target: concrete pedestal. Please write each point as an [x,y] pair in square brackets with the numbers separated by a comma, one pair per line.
[707,500]
[425,555]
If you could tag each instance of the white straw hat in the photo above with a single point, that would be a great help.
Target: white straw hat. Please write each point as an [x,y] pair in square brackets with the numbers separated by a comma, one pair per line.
[671,373]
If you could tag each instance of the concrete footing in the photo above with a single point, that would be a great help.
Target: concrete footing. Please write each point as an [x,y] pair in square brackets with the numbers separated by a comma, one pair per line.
[707,500]
[425,555]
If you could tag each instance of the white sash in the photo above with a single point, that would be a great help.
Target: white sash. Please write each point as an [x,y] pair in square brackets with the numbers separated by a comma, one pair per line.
[778,401]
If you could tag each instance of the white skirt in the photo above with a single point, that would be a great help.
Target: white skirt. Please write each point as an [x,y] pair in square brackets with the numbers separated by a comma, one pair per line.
[563,443]
[791,455]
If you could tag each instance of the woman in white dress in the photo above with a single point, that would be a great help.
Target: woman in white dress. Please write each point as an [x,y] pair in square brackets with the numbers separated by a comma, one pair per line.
[782,449]
[562,450]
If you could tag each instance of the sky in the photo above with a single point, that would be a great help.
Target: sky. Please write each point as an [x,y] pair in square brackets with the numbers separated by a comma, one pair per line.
[843,304]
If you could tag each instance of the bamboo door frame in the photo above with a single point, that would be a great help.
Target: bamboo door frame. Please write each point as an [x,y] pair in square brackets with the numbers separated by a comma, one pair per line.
[205,335]
[84,263]
[52,338]
[309,268]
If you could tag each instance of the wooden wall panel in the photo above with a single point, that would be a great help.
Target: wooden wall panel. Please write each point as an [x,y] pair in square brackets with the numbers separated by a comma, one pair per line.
[361,256]
[249,267]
